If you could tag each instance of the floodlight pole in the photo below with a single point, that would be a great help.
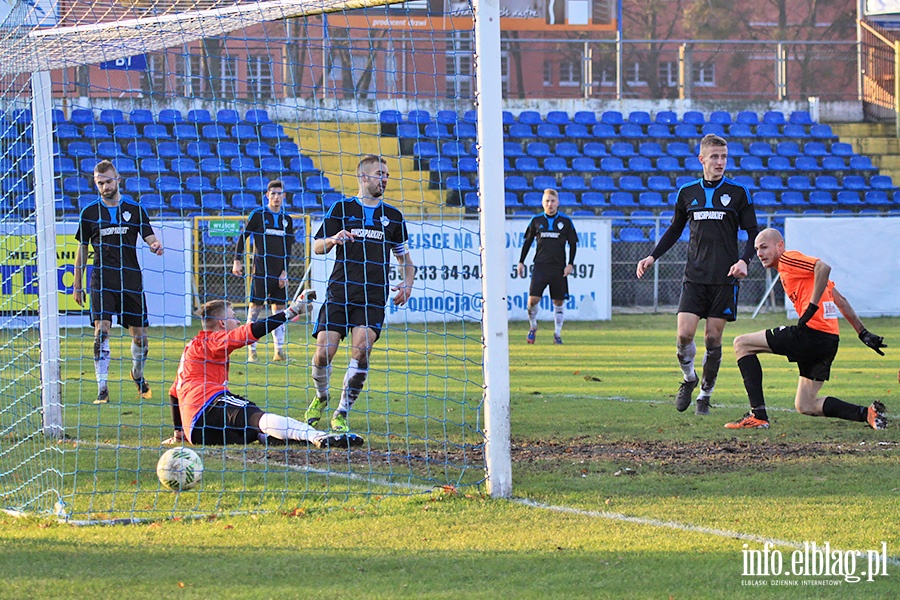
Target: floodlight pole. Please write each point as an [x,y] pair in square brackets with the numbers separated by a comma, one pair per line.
[489,100]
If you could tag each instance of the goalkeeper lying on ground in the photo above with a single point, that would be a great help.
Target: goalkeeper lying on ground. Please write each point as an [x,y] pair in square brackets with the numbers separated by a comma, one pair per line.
[205,412]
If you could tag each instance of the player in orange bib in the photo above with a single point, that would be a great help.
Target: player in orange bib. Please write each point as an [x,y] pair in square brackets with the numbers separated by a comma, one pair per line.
[812,343]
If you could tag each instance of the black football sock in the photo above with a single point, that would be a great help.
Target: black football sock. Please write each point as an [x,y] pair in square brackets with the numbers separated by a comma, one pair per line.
[838,409]
[752,373]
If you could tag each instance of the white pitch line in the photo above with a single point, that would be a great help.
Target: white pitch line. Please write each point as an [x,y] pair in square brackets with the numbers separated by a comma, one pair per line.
[602,514]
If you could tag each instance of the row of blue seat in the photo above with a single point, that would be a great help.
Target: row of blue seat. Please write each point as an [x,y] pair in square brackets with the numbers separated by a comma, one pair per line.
[274,166]
[610,117]
[186,132]
[140,117]
[168,184]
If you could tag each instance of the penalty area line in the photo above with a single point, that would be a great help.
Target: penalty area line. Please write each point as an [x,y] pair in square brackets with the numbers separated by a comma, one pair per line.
[686,527]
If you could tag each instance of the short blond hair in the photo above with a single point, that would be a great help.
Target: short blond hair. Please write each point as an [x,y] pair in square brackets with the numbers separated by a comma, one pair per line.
[212,310]
[552,192]
[711,139]
[368,160]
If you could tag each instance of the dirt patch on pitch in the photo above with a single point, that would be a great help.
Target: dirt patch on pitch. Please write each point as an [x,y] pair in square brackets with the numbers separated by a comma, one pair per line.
[688,457]
[626,457]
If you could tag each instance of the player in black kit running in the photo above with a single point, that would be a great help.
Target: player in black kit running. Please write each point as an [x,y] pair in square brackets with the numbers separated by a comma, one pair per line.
[552,231]
[714,207]
[272,230]
[366,231]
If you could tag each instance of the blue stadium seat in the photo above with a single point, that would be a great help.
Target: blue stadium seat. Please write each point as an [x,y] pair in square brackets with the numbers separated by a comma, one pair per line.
[465,131]
[67,131]
[752,163]
[199,116]
[669,164]
[287,150]
[612,117]
[821,132]
[556,164]
[604,131]
[320,184]
[679,150]
[389,120]
[660,183]
[82,117]
[659,131]
[199,150]
[86,166]
[631,131]
[244,133]
[612,164]
[125,166]
[640,164]
[666,117]
[651,199]
[771,183]
[622,200]
[603,183]
[242,165]
[305,202]
[593,199]
[227,184]
[574,183]
[807,163]
[292,184]
[720,117]
[454,149]
[517,184]
[257,184]
[109,150]
[686,130]
[170,116]
[168,184]
[860,163]
[585,117]
[558,117]
[799,183]
[631,183]
[530,117]
[765,199]
[854,182]
[257,116]
[713,128]
[521,131]
[568,199]
[140,117]
[639,117]
[227,117]
[618,217]
[528,164]
[153,202]
[185,132]
[258,150]
[447,117]
[763,149]
[567,150]
[508,119]
[544,182]
[272,131]
[740,130]
[842,149]
[213,166]
[821,198]
[768,131]
[775,117]
[184,202]
[245,202]
[467,164]
[651,150]
[138,185]
[303,165]
[228,150]
[137,150]
[794,199]
[849,199]
[746,181]
[787,149]
[577,131]
[795,131]
[693,117]
[780,163]
[748,117]
[622,150]
[584,164]
[184,166]
[532,199]
[437,131]
[877,198]
[512,149]
[112,116]
[632,234]
[538,150]
[96,131]
[511,200]
[213,202]
[801,117]
[214,132]
[169,150]
[63,166]
[595,150]
[425,150]
[156,132]
[881,182]
[692,163]
[828,183]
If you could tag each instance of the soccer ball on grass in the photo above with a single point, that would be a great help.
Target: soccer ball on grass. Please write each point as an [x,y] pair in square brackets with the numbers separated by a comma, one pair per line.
[179,469]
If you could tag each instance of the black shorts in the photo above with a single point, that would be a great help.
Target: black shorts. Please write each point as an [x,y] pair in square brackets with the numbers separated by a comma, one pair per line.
[334,316]
[131,307]
[812,350]
[230,419]
[544,276]
[265,290]
[709,300]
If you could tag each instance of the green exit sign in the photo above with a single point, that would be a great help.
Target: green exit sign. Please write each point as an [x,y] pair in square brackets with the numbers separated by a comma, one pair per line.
[224,228]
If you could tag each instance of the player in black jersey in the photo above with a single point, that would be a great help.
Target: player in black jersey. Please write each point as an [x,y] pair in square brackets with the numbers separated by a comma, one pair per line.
[365,231]
[552,231]
[112,226]
[714,207]
[273,237]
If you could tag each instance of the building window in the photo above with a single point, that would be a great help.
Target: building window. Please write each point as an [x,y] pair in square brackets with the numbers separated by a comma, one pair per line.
[155,82]
[548,73]
[460,73]
[705,74]
[260,84]
[668,73]
[569,73]
[633,75]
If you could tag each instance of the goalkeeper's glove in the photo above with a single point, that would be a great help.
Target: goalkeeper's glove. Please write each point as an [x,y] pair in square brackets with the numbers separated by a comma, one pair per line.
[807,314]
[300,306]
[875,342]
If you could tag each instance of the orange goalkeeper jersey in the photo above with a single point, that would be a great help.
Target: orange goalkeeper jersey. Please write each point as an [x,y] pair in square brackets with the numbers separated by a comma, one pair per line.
[203,371]
[797,273]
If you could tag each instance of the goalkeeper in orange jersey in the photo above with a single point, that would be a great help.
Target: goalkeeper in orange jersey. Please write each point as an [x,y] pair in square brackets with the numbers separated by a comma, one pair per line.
[812,343]
[205,411]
